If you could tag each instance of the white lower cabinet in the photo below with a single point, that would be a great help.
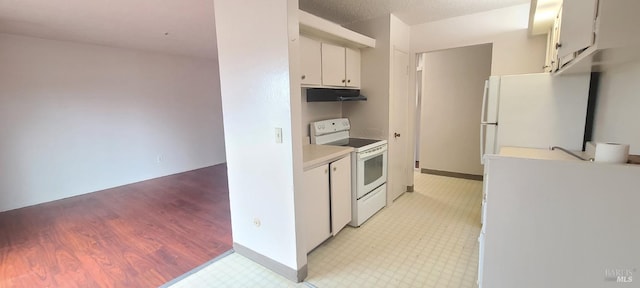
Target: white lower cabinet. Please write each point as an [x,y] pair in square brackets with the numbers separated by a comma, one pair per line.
[483,206]
[340,179]
[483,221]
[327,201]
[316,206]
[480,259]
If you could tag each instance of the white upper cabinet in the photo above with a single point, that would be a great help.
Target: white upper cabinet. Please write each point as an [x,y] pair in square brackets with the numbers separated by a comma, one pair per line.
[333,65]
[310,62]
[352,67]
[340,66]
[577,28]
[333,60]
[594,35]
[553,38]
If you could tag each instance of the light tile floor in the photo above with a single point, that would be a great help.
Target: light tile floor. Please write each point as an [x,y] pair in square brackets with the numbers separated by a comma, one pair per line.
[234,270]
[427,238]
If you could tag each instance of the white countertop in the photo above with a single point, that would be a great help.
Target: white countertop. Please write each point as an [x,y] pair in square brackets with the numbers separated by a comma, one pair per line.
[536,153]
[546,154]
[316,155]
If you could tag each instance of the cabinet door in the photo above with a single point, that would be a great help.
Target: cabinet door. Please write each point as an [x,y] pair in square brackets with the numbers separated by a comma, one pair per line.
[480,258]
[352,67]
[485,191]
[548,55]
[333,67]
[555,40]
[577,27]
[340,194]
[310,61]
[316,206]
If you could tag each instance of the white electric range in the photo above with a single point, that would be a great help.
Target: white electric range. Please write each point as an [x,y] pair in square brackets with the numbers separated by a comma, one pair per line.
[368,166]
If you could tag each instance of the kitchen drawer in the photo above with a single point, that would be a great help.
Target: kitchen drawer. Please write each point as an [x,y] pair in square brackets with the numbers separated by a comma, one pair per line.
[371,203]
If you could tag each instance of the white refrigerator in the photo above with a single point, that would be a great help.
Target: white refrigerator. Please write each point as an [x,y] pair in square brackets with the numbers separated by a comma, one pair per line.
[533,110]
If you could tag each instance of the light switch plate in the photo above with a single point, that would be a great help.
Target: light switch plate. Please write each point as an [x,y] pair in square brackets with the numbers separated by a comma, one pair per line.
[278,135]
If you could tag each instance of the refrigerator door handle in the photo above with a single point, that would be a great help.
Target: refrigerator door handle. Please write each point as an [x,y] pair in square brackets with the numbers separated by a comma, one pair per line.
[483,115]
[482,128]
[483,122]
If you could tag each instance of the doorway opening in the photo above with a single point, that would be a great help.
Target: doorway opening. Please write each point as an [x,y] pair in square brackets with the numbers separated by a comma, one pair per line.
[449,91]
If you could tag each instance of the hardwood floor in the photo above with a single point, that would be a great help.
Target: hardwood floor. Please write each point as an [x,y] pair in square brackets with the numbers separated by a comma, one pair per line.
[138,235]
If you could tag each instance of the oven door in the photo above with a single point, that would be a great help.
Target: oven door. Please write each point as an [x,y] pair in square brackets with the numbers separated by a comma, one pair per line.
[371,169]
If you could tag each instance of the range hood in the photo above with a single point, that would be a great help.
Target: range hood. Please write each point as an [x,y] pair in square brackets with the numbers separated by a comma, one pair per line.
[328,95]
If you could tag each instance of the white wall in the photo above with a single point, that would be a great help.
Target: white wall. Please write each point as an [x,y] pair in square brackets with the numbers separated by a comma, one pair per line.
[316,111]
[514,52]
[77,118]
[453,85]
[370,119]
[616,116]
[258,52]
[400,34]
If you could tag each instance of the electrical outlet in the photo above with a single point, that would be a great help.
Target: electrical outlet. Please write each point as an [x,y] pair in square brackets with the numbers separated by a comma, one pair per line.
[159,158]
[278,135]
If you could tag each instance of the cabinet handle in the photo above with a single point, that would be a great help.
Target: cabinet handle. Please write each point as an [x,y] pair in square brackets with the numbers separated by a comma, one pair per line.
[303,77]
[349,81]
[334,169]
[325,171]
[558,45]
[343,80]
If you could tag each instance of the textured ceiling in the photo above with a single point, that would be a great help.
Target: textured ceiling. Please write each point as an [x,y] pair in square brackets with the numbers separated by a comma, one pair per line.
[186,27]
[409,11]
[137,24]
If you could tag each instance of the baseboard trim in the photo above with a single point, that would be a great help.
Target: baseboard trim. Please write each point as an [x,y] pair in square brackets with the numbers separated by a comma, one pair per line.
[452,174]
[275,266]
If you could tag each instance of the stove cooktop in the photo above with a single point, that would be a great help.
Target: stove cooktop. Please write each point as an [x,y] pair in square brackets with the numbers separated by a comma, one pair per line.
[354,142]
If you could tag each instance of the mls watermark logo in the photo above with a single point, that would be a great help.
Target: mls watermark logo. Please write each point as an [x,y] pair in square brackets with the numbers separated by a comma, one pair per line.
[618,275]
